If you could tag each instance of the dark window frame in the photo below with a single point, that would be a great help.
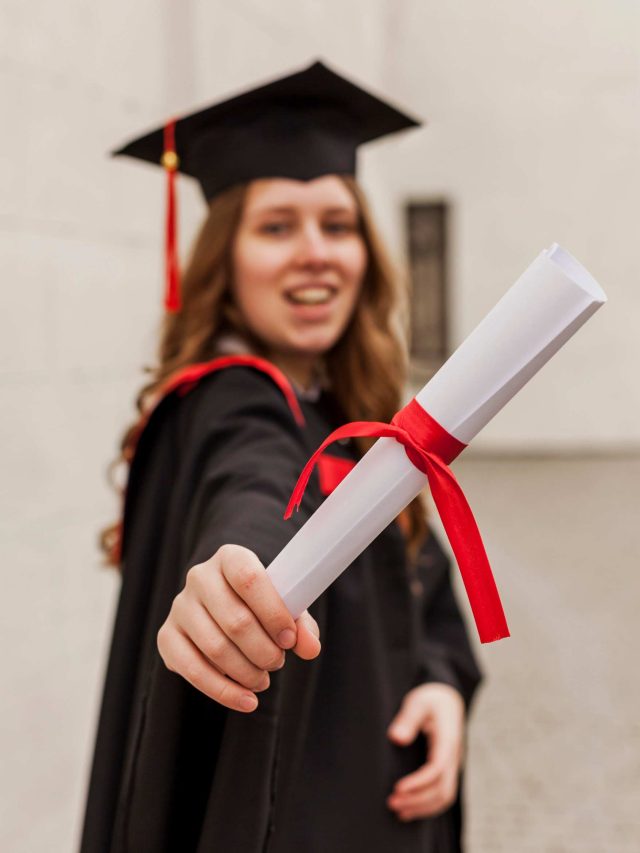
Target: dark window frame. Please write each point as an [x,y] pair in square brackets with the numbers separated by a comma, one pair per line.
[427,222]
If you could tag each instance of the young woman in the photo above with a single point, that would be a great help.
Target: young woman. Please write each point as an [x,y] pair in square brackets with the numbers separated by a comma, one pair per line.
[211,736]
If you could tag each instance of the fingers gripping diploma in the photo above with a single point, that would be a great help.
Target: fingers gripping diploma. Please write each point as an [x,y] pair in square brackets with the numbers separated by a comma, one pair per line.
[436,710]
[229,628]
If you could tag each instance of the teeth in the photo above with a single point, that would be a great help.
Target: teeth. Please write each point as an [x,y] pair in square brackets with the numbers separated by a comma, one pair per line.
[311,295]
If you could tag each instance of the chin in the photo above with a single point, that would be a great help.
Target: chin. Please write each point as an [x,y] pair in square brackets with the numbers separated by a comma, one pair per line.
[317,343]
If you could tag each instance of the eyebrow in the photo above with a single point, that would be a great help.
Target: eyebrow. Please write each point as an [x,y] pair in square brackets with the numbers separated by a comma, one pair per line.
[291,209]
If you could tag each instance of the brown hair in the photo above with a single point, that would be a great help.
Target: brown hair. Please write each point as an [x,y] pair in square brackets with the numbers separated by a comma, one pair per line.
[372,344]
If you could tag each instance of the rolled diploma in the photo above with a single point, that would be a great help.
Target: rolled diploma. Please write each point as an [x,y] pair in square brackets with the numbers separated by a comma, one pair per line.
[535,317]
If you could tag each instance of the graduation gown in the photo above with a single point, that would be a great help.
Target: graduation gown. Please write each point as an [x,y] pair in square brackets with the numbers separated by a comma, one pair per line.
[311,768]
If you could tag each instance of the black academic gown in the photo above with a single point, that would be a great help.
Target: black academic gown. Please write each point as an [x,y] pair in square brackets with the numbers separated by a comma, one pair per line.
[310,769]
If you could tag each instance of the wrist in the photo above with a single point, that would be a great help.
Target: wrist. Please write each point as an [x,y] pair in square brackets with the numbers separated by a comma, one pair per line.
[443,693]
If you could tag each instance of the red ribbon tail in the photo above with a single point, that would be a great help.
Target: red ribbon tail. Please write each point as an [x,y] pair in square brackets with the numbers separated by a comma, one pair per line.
[467,545]
[296,496]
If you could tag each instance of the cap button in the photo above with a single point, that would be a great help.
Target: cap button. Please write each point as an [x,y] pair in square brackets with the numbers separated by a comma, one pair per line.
[170,161]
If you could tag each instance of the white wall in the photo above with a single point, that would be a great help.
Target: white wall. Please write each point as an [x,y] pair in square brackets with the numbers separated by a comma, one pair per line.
[533,137]
[530,136]
[70,346]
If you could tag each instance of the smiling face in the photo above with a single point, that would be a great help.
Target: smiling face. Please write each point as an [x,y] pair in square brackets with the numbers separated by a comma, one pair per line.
[299,260]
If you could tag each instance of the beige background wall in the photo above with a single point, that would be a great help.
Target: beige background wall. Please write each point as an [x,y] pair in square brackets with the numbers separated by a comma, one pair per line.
[534,111]
[533,133]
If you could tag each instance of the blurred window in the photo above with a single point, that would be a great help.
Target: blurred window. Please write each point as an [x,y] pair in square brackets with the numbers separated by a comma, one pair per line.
[426,228]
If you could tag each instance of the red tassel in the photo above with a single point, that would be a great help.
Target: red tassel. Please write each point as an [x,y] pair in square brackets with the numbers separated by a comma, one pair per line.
[170,162]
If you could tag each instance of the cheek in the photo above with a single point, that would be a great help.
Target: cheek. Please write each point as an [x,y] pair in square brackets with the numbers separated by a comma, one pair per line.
[355,260]
[256,261]
[256,272]
[354,264]
[256,268]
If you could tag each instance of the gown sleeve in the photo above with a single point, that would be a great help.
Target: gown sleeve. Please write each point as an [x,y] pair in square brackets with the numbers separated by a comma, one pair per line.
[446,655]
[250,452]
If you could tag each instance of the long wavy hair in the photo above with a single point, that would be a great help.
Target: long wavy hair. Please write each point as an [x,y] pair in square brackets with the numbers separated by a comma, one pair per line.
[372,345]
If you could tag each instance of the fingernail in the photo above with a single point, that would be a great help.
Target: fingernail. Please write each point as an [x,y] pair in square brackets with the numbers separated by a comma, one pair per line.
[286,638]
[264,683]
[248,703]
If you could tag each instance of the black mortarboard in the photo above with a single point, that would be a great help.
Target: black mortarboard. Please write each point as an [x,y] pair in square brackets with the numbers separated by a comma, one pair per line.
[300,126]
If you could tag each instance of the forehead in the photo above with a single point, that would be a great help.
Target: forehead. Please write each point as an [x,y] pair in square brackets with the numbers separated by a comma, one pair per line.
[321,193]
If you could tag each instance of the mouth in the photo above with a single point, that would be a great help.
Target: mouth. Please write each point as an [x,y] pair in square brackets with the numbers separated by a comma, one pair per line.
[310,294]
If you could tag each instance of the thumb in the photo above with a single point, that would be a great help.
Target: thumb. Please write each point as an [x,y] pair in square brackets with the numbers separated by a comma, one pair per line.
[308,641]
[408,722]
[309,623]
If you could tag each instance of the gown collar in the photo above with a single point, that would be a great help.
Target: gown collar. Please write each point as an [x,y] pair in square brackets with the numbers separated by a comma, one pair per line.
[233,344]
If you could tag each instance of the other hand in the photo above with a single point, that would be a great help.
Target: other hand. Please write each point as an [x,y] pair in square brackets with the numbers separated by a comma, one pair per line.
[436,710]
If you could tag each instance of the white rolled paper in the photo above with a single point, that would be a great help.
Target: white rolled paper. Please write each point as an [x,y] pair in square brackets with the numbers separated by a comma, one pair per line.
[535,317]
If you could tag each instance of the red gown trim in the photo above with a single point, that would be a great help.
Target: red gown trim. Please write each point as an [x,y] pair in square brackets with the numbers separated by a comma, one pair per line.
[332,470]
[184,381]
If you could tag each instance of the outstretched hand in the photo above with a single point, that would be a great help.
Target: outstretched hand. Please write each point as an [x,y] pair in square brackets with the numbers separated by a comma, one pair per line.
[436,710]
[229,628]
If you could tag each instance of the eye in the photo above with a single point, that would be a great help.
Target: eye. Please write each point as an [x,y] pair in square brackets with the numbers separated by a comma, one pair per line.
[339,227]
[274,227]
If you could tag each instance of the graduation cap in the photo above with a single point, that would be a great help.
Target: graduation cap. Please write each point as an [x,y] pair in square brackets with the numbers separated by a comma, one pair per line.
[301,126]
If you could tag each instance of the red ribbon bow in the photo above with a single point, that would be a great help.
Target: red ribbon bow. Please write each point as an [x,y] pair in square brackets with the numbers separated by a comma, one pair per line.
[430,448]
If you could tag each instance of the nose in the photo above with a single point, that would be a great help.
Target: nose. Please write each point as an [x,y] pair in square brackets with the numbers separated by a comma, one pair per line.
[314,249]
